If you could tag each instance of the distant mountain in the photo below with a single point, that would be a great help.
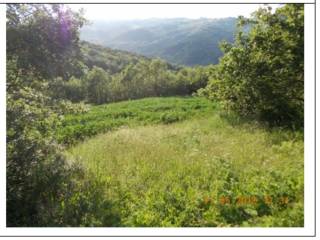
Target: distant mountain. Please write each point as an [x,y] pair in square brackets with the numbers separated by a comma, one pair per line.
[178,40]
[111,60]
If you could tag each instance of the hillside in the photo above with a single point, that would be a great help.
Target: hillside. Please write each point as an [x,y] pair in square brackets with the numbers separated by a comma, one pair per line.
[111,60]
[97,136]
[179,41]
[109,75]
[177,162]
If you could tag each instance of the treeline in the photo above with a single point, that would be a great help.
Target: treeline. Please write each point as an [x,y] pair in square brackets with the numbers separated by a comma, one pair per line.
[111,60]
[150,78]
[111,75]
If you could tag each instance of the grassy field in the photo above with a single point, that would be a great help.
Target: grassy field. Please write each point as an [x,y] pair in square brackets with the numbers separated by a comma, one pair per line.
[179,162]
[103,118]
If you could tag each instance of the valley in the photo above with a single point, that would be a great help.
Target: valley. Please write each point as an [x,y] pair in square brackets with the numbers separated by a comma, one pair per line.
[179,41]
[158,122]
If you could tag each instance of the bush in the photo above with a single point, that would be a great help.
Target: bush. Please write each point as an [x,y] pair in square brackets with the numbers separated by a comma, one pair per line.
[64,107]
[261,73]
[36,170]
[43,188]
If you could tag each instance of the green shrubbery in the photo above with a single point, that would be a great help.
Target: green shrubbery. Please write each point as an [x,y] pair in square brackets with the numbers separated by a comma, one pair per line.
[261,73]
[38,175]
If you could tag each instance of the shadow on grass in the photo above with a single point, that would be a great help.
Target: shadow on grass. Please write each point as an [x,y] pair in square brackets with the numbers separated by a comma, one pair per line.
[277,133]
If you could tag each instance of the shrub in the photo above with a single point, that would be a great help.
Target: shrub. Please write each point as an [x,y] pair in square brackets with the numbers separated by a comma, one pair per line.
[261,73]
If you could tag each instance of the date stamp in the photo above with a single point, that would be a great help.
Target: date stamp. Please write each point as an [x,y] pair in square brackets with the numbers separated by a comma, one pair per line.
[243,200]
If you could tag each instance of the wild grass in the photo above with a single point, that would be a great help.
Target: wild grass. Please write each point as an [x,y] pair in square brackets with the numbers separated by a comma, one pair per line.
[203,171]
[106,117]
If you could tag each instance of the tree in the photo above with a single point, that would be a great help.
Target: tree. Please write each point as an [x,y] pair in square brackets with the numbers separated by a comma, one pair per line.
[44,38]
[36,170]
[261,73]
[38,49]
[75,89]
[97,81]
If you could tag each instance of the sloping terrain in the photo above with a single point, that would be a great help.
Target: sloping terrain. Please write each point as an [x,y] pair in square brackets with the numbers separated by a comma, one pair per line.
[111,60]
[179,41]
[178,162]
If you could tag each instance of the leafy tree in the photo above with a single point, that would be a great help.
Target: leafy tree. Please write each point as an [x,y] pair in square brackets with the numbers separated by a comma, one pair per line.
[97,82]
[38,49]
[192,79]
[36,171]
[44,38]
[261,73]
[151,78]
[74,89]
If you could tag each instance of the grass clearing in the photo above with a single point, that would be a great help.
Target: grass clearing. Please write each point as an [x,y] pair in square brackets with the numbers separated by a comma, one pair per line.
[199,172]
[146,111]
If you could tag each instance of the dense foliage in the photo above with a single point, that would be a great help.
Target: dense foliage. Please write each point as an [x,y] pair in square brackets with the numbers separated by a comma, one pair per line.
[262,73]
[134,77]
[110,60]
[38,176]
[44,39]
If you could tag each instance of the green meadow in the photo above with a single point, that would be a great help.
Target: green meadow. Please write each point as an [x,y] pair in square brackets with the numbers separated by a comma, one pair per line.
[181,162]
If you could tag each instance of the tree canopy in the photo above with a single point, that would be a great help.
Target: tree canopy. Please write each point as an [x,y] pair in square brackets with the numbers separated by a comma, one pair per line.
[261,73]
[44,38]
[42,41]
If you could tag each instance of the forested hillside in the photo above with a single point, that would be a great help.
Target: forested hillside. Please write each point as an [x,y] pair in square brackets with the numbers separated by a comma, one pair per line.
[98,137]
[107,75]
[179,41]
[110,60]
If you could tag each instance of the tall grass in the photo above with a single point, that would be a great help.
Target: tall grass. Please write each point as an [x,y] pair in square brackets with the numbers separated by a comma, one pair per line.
[203,171]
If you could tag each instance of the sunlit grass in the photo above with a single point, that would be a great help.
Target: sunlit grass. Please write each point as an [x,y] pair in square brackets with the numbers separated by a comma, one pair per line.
[106,117]
[179,174]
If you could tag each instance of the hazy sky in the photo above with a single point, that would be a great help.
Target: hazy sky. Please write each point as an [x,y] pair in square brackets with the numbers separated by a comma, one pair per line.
[143,11]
